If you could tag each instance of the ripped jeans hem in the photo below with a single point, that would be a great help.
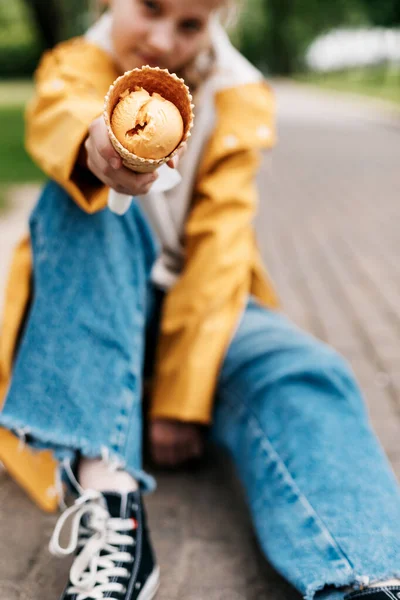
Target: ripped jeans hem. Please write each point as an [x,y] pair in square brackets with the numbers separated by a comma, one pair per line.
[36,441]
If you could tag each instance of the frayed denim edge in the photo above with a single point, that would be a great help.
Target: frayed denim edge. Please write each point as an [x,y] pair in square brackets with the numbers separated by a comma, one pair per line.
[356,582]
[340,581]
[146,482]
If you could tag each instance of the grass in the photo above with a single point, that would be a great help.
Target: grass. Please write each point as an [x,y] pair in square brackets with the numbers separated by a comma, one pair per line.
[15,92]
[15,164]
[378,82]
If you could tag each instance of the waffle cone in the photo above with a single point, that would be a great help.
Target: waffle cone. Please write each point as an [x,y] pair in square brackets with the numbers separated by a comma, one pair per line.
[152,79]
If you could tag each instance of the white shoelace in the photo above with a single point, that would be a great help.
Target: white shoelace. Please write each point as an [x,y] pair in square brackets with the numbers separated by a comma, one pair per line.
[91,574]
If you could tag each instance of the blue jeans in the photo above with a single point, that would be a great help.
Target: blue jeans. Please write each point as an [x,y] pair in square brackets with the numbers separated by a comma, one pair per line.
[324,501]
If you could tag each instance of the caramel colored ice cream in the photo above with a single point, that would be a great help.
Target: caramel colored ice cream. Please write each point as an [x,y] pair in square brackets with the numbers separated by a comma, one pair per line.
[147,125]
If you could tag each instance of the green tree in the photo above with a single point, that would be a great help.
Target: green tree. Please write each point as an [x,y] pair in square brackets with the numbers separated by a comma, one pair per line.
[19,45]
[46,15]
[57,20]
[275,33]
[383,12]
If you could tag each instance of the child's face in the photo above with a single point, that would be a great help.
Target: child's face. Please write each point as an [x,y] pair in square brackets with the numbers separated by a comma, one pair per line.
[163,33]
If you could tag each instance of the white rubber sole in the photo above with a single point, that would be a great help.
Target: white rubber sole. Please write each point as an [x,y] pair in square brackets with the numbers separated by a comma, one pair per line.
[151,586]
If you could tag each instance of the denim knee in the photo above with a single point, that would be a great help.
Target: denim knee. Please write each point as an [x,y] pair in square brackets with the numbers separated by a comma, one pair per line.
[322,365]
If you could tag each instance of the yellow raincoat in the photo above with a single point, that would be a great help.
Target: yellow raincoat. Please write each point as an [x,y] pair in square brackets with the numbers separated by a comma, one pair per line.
[222,264]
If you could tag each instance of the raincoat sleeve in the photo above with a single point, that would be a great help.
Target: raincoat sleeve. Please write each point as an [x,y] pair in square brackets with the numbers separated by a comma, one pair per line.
[202,310]
[71,82]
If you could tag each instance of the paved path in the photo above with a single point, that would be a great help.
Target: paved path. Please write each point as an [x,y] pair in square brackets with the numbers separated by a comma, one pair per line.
[329,231]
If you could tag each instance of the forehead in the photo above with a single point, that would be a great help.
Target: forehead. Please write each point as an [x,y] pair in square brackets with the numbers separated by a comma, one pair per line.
[183,8]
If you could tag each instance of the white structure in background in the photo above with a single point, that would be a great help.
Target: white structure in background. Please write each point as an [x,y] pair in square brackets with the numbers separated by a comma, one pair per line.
[346,48]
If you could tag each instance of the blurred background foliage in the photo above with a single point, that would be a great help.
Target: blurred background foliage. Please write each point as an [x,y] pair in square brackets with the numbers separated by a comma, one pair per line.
[274,34]
[19,42]
[277,32]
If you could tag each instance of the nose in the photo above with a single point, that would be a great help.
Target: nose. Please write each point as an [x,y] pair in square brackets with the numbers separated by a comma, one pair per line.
[161,38]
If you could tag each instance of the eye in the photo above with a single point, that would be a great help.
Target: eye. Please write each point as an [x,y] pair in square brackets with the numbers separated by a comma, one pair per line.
[191,25]
[152,6]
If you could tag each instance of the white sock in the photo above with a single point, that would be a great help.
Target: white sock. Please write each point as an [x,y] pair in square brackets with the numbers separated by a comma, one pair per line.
[95,474]
[386,582]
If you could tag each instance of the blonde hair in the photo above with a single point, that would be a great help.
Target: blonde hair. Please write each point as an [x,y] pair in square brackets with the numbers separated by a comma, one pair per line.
[230,13]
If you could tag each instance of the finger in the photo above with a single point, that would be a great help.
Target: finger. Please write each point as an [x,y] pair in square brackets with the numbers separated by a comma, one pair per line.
[134,179]
[185,452]
[192,450]
[99,134]
[163,459]
[161,455]
[91,155]
[182,149]
[103,172]
[156,453]
[101,167]
[92,162]
[198,449]
[144,190]
[169,456]
[138,183]
[173,162]
[121,180]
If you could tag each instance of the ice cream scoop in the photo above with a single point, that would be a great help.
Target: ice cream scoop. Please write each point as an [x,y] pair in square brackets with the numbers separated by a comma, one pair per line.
[158,84]
[147,125]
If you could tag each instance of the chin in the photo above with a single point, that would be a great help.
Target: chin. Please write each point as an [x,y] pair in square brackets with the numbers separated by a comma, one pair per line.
[128,65]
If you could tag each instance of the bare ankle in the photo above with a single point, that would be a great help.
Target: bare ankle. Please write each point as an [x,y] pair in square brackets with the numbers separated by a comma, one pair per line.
[95,474]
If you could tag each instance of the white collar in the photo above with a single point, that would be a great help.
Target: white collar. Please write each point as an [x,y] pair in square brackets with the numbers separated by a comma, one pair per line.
[99,34]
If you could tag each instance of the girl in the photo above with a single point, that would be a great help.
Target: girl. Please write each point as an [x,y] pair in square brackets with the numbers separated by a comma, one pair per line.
[87,287]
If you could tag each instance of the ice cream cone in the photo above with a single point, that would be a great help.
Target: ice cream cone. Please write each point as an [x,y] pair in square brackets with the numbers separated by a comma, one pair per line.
[152,79]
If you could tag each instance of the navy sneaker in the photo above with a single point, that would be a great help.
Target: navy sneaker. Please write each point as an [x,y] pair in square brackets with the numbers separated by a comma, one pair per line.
[376,593]
[110,537]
